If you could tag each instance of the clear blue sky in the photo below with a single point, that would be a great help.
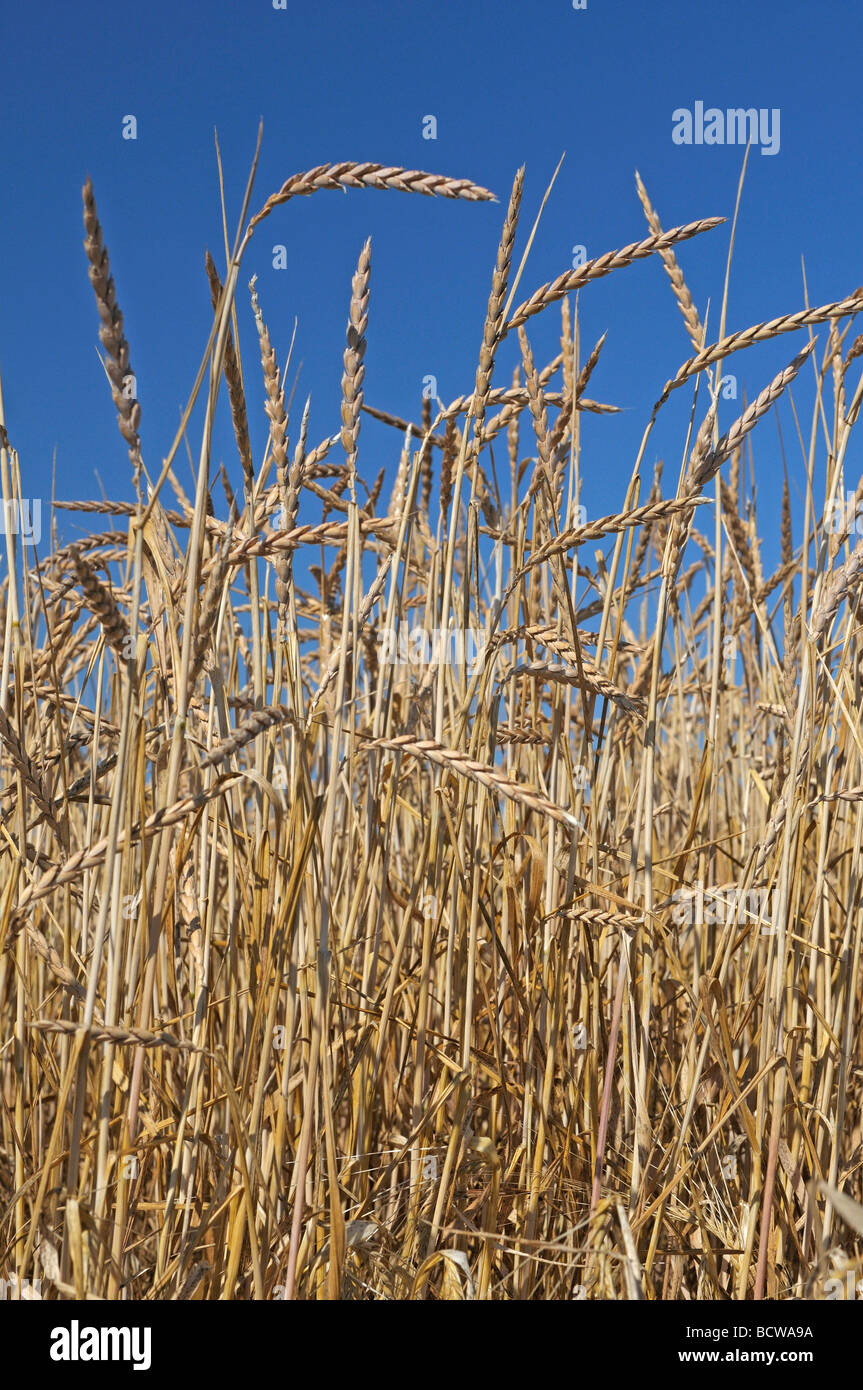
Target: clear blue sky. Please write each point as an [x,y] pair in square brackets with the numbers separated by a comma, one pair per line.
[508,83]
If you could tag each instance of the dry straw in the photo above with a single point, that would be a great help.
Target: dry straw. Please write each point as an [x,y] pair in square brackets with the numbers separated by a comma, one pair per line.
[348,971]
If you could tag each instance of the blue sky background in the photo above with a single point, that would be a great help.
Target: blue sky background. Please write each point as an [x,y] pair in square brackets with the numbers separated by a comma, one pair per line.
[509,83]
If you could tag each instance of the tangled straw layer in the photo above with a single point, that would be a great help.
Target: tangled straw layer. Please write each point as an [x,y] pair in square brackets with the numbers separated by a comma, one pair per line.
[364,942]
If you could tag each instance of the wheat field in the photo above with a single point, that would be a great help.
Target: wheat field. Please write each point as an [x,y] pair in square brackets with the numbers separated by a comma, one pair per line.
[412,887]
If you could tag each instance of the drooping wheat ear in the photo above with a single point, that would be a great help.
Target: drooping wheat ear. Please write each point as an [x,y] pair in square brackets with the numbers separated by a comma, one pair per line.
[325,533]
[30,774]
[329,496]
[785,533]
[102,602]
[549,370]
[704,469]
[793,781]
[790,618]
[855,351]
[561,428]
[375,492]
[493,327]
[545,472]
[210,602]
[381,176]
[354,373]
[678,534]
[302,467]
[275,405]
[787,546]
[111,333]
[733,506]
[53,655]
[558,448]
[513,399]
[547,635]
[275,408]
[234,379]
[387,418]
[137,1037]
[596,917]
[604,265]
[673,271]
[331,581]
[588,369]
[594,680]
[336,658]
[257,723]
[520,734]
[649,514]
[337,489]
[92,854]
[162,536]
[539,414]
[759,333]
[397,497]
[755,540]
[296,474]
[844,580]
[230,498]
[737,531]
[453,760]
[46,951]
